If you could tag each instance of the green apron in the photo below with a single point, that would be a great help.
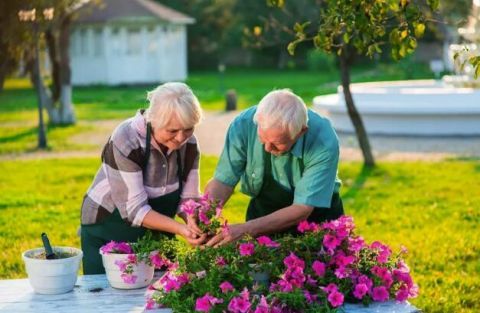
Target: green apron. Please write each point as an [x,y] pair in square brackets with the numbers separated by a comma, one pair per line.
[115,228]
[273,197]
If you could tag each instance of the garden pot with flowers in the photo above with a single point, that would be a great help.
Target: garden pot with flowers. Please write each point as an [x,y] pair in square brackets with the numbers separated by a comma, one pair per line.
[318,271]
[132,265]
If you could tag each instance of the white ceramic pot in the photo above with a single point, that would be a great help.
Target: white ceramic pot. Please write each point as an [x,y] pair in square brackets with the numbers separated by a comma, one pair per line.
[52,276]
[143,271]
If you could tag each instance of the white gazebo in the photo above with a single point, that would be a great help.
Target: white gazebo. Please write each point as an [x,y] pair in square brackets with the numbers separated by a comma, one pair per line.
[129,42]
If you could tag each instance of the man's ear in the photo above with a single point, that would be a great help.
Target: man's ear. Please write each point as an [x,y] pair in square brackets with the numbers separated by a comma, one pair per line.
[303,131]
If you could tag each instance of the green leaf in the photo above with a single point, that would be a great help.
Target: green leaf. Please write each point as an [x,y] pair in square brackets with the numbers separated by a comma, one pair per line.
[412,43]
[419,30]
[404,3]
[291,47]
[404,34]
[346,38]
[433,4]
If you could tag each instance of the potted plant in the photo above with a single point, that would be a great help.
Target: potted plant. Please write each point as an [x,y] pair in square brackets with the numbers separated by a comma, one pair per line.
[132,265]
[52,276]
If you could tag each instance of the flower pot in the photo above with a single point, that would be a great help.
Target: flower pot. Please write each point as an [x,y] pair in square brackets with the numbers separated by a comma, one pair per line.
[142,271]
[52,276]
[259,276]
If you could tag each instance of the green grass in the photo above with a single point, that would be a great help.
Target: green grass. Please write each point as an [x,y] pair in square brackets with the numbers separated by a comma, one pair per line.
[431,208]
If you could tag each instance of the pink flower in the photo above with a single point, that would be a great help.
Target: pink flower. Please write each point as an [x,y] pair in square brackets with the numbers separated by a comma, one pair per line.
[157,260]
[360,291]
[380,294]
[335,298]
[330,242]
[202,216]
[319,268]
[128,278]
[240,304]
[132,258]
[220,261]
[205,303]
[108,248]
[365,280]
[355,244]
[246,249]
[123,247]
[201,274]
[292,261]
[267,242]
[303,226]
[310,297]
[402,294]
[189,207]
[150,305]
[262,306]
[341,272]
[330,288]
[384,251]
[226,286]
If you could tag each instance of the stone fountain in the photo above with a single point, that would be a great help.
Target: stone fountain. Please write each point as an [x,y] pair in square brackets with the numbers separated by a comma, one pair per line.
[447,107]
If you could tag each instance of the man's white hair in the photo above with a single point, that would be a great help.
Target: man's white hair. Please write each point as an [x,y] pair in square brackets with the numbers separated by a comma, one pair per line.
[282,109]
[172,99]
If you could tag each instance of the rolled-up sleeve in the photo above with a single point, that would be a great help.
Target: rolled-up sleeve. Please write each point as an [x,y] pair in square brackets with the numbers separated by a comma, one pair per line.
[233,159]
[126,182]
[317,184]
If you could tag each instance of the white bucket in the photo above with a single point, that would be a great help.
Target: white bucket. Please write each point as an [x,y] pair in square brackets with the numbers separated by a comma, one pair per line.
[52,276]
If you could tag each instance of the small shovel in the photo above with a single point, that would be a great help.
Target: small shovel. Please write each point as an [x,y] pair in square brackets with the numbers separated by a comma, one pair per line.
[49,254]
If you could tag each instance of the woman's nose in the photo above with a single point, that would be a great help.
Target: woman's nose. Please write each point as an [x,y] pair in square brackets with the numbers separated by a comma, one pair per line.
[181,136]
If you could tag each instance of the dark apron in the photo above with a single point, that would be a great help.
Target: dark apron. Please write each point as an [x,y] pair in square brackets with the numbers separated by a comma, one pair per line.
[273,197]
[115,228]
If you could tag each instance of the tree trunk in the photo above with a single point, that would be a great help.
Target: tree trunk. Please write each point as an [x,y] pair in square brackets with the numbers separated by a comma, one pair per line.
[355,117]
[67,114]
[54,60]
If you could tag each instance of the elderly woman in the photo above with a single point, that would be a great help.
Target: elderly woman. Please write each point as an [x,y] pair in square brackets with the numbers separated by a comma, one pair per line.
[149,164]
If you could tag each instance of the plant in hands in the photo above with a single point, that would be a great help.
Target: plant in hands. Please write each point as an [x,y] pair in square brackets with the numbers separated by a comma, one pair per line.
[207,211]
[146,249]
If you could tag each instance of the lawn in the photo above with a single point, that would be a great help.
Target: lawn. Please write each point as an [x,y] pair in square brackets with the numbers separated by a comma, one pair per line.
[431,208]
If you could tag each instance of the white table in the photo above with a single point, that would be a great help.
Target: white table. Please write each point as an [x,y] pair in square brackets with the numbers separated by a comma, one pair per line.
[92,293]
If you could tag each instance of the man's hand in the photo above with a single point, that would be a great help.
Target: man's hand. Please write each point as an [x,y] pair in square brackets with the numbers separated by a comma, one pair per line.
[228,234]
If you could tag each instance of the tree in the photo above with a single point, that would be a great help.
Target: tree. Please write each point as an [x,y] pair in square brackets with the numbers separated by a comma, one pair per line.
[362,27]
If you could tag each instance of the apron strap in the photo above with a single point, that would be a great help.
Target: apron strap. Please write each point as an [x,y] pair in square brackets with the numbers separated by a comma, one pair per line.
[147,145]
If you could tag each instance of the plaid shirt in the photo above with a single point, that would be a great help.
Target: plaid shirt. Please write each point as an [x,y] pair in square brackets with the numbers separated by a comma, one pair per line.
[122,183]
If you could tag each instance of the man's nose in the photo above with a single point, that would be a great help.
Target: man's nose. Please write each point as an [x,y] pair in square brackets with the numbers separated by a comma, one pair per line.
[268,147]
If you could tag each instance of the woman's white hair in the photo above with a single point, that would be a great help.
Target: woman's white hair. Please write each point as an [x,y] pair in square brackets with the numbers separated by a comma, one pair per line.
[172,99]
[282,108]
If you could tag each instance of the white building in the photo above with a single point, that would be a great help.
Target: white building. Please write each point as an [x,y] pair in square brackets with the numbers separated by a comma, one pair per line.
[129,42]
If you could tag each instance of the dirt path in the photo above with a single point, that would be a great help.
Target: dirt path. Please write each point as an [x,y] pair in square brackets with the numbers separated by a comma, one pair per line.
[211,135]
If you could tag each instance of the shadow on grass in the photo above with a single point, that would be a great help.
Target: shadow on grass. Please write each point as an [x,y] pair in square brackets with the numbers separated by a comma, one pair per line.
[358,182]
[19,135]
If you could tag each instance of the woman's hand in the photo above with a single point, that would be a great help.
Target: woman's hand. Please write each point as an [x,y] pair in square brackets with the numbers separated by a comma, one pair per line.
[191,237]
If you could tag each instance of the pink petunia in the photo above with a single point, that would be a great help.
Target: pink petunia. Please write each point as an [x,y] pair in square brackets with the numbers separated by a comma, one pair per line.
[267,242]
[226,287]
[220,261]
[123,247]
[189,207]
[330,242]
[246,249]
[292,261]
[319,268]
[402,294]
[330,288]
[303,226]
[205,303]
[240,304]
[380,294]
[335,298]
[363,279]
[108,247]
[202,216]
[360,291]
[262,306]
[356,244]
[157,260]
[122,266]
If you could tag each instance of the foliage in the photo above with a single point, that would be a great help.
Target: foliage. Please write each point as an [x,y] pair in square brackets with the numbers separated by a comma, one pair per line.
[323,268]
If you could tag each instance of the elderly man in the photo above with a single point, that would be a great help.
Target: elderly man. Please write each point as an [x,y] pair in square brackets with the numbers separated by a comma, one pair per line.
[287,159]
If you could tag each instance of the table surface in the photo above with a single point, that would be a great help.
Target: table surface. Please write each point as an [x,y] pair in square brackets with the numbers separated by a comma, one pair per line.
[92,293]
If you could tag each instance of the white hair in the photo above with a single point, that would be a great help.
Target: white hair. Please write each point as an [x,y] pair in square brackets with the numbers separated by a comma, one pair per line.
[172,99]
[282,108]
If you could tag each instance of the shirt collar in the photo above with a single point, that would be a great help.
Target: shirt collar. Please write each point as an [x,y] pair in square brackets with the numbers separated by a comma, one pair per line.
[297,147]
